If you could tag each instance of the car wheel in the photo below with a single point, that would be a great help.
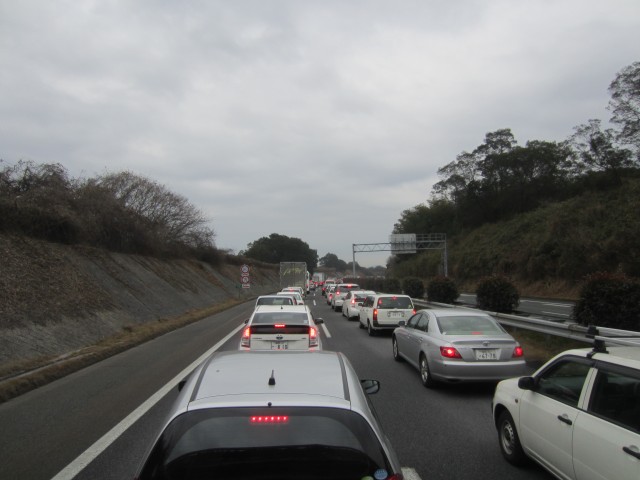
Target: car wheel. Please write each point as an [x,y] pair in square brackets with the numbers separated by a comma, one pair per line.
[425,373]
[370,329]
[396,353]
[509,441]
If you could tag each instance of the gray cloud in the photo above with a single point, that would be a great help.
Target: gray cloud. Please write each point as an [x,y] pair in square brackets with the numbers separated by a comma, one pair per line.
[320,120]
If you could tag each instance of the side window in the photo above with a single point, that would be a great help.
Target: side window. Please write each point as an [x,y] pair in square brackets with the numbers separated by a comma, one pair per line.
[423,323]
[564,381]
[616,397]
[413,321]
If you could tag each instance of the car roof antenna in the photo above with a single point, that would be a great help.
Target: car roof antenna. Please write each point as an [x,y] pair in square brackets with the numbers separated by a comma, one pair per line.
[272,380]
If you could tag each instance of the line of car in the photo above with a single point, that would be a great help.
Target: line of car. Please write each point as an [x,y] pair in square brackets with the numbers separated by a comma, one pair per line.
[279,407]
[578,416]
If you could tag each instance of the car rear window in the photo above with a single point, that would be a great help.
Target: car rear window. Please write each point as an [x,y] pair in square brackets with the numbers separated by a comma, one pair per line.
[290,318]
[280,300]
[469,325]
[395,302]
[265,443]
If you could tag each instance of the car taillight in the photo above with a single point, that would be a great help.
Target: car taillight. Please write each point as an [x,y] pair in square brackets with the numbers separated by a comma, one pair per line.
[353,301]
[450,352]
[518,352]
[269,419]
[313,337]
[246,337]
[414,311]
[279,325]
[375,314]
[396,476]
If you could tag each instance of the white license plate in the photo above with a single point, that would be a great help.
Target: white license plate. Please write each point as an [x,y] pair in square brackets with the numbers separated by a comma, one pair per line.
[279,345]
[487,354]
[396,314]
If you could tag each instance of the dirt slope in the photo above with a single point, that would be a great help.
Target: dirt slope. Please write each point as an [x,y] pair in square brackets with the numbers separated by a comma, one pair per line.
[58,298]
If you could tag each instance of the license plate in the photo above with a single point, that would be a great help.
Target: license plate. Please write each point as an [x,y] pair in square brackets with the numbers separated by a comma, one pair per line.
[279,345]
[487,354]
[396,314]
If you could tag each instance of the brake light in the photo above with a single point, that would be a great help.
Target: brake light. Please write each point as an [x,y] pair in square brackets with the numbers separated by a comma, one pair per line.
[246,337]
[269,419]
[353,301]
[414,311]
[279,325]
[450,352]
[313,337]
[518,352]
[375,314]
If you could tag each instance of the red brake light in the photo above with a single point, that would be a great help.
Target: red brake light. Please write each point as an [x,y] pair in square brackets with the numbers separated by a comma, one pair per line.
[279,325]
[313,333]
[375,314]
[246,337]
[450,352]
[518,352]
[269,419]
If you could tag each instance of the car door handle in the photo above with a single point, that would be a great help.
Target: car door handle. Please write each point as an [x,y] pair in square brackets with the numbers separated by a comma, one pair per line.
[564,418]
[633,450]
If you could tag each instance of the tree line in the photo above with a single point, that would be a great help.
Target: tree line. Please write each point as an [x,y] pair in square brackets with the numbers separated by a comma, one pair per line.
[500,179]
[121,212]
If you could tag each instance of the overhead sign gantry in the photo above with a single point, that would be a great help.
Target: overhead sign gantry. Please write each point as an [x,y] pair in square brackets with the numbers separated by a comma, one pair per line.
[405,243]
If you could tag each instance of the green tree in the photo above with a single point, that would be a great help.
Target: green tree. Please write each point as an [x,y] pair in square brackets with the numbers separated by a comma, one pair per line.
[625,104]
[331,260]
[278,248]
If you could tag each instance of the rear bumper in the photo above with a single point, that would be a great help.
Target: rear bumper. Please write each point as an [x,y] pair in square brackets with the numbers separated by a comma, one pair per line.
[456,371]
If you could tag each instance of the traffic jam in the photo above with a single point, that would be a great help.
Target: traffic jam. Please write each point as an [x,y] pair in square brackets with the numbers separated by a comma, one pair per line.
[220,418]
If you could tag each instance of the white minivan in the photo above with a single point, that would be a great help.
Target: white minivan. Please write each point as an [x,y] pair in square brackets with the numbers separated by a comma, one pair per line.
[383,311]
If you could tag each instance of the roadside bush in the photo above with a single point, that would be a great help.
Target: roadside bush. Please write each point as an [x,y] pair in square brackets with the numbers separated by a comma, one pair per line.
[391,285]
[609,300]
[413,286]
[497,294]
[442,290]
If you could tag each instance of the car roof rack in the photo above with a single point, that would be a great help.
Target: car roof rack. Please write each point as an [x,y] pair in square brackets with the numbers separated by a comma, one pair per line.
[599,344]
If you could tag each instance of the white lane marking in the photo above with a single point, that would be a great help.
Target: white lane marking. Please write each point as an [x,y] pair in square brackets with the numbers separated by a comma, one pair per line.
[326,330]
[557,314]
[564,305]
[410,474]
[314,302]
[90,454]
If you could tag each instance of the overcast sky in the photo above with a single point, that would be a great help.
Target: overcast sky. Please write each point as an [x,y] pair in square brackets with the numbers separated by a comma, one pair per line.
[321,120]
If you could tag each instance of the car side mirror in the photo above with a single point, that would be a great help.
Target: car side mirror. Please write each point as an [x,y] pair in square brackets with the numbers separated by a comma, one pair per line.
[370,386]
[527,383]
[402,323]
[246,321]
[318,320]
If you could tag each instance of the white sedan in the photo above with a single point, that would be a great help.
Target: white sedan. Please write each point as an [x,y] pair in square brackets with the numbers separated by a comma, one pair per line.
[578,416]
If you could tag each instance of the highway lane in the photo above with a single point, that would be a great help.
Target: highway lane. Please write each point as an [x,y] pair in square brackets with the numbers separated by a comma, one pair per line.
[557,310]
[442,433]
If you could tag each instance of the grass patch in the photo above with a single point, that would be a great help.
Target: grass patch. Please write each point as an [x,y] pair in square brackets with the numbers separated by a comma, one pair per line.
[26,376]
[541,347]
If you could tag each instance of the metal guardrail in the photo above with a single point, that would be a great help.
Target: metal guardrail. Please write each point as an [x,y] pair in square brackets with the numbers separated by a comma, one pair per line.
[575,331]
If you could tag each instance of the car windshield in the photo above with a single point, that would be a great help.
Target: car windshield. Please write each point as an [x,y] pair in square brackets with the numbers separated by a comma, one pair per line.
[266,443]
[469,325]
[290,318]
[395,302]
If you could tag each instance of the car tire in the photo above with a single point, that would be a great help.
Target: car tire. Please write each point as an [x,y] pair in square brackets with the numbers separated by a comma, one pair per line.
[370,330]
[509,440]
[425,373]
[396,352]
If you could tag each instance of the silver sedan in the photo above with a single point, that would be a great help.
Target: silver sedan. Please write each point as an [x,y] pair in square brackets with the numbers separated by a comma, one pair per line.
[457,345]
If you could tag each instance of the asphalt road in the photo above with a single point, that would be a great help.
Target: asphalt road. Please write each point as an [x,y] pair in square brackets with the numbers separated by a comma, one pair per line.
[74,428]
[555,310]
